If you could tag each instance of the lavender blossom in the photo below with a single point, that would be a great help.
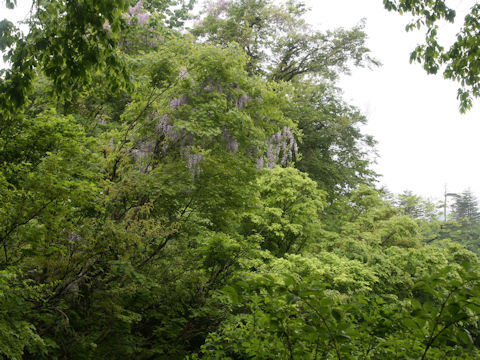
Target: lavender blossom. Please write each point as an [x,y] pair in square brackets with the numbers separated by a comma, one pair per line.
[260,163]
[242,101]
[74,237]
[182,74]
[145,149]
[231,143]
[281,147]
[163,126]
[193,162]
[171,134]
[182,100]
[137,12]
[143,18]
[106,26]
[271,156]
[134,10]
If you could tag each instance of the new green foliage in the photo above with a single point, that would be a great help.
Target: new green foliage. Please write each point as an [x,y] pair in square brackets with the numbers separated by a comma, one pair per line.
[288,208]
[219,206]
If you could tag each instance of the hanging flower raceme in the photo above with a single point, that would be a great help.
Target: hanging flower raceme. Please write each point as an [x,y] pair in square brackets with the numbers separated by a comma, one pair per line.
[281,149]
[137,12]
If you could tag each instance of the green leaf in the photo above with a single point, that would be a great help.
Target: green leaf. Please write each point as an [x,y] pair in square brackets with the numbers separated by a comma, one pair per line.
[465,336]
[292,299]
[337,315]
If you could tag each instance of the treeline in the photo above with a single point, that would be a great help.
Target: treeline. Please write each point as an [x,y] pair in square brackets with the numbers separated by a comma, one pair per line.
[175,193]
[456,217]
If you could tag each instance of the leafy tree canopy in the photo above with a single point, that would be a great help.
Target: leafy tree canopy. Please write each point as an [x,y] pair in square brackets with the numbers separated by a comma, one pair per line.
[186,198]
[278,41]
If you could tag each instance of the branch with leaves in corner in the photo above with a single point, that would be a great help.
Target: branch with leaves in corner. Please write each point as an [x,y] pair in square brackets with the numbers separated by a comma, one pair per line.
[460,62]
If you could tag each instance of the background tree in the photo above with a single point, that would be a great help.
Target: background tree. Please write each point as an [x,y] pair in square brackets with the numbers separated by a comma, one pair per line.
[278,41]
[281,46]
[416,206]
[465,208]
[335,152]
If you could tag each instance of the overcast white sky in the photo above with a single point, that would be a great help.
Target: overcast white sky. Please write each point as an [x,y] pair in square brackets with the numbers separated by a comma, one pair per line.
[424,142]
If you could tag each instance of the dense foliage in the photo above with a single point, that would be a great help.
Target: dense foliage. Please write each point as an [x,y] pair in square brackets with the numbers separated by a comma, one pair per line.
[168,193]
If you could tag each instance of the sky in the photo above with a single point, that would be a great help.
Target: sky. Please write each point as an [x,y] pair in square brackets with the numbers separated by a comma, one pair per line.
[18,14]
[424,143]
